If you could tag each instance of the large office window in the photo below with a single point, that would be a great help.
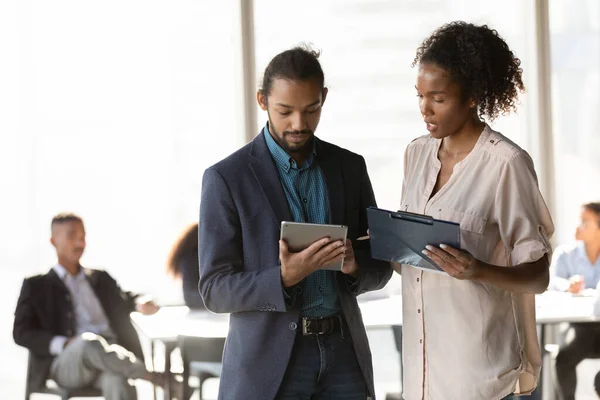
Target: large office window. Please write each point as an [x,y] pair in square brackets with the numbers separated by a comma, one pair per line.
[117,108]
[575,54]
[367,49]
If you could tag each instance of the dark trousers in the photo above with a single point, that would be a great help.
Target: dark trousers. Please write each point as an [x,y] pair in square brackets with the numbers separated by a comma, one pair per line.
[323,367]
[582,341]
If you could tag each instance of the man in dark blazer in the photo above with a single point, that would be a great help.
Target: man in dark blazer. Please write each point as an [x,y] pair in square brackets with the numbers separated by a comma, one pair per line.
[296,331]
[75,322]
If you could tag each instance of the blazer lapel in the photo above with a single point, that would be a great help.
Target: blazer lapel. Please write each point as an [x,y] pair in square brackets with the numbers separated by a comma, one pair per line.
[92,278]
[265,172]
[331,167]
[56,281]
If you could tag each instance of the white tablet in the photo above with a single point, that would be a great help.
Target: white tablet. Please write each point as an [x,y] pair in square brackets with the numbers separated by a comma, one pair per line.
[299,236]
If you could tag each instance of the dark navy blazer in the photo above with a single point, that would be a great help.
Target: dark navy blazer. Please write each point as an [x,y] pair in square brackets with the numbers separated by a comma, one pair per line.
[241,210]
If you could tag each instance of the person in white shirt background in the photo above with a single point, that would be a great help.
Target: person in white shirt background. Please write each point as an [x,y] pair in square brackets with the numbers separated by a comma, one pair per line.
[576,269]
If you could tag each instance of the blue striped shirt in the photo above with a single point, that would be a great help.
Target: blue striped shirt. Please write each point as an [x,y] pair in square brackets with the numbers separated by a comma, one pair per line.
[308,200]
[572,260]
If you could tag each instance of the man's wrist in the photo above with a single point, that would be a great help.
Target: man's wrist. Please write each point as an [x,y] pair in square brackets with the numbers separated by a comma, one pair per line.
[285,281]
[355,274]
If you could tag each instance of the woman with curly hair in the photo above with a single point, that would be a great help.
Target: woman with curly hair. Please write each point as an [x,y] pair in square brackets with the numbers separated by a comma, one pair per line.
[470,334]
[183,264]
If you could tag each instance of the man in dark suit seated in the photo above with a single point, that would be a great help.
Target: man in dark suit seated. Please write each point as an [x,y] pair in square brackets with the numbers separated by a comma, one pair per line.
[75,322]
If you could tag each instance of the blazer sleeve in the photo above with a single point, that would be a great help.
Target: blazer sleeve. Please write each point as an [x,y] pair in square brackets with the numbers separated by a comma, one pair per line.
[225,285]
[27,329]
[374,274]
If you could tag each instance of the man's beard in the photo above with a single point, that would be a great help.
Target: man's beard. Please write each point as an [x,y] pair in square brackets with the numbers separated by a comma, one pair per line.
[284,145]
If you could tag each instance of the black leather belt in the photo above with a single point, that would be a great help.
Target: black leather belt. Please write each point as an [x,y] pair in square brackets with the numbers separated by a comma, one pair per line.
[321,326]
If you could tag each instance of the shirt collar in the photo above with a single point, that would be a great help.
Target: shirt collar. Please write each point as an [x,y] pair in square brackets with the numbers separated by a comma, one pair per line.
[63,273]
[582,253]
[283,159]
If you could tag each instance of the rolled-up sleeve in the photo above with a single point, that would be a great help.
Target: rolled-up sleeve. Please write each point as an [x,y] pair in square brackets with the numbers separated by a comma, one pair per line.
[523,218]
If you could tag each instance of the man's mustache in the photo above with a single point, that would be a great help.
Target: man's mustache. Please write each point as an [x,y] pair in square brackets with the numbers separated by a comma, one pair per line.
[302,132]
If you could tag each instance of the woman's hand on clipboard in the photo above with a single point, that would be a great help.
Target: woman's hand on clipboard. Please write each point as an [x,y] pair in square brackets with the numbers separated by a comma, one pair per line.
[458,264]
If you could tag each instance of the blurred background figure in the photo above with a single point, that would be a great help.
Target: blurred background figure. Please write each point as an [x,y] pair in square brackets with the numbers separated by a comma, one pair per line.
[75,322]
[183,265]
[576,269]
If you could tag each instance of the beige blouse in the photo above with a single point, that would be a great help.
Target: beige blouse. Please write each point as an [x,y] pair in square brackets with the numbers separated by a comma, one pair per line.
[462,339]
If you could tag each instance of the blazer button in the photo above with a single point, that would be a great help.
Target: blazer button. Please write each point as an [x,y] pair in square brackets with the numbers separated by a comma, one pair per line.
[293,326]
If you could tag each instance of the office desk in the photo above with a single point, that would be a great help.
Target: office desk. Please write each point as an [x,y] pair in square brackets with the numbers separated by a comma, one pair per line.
[551,308]
[170,322]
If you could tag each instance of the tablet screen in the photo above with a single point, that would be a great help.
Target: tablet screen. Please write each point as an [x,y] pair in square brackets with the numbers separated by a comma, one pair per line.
[299,236]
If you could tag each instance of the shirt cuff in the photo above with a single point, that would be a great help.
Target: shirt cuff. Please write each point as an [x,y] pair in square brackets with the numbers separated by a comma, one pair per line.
[558,283]
[352,282]
[57,344]
[528,252]
[290,294]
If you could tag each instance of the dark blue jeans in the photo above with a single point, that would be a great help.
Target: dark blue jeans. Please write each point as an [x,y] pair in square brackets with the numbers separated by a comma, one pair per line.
[322,368]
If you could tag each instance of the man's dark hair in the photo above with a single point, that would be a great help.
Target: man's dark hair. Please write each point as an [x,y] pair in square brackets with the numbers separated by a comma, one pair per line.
[65,217]
[480,61]
[298,64]
[595,208]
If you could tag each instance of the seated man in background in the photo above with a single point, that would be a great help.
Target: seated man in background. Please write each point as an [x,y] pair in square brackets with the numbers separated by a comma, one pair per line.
[75,322]
[576,268]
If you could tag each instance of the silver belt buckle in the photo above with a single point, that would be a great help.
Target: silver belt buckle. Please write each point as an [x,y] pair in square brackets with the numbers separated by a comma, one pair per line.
[305,332]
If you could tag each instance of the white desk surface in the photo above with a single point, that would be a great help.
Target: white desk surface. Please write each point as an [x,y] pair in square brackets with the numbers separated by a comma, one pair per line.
[555,307]
[169,322]
[551,308]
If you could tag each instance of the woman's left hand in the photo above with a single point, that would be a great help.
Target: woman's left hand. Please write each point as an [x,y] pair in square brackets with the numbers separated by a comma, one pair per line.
[458,264]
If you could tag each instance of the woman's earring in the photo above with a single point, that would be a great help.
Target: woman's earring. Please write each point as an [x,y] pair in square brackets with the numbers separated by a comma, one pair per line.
[472,104]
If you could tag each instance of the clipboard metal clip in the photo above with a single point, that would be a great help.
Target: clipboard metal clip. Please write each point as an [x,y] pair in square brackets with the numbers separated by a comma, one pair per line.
[418,218]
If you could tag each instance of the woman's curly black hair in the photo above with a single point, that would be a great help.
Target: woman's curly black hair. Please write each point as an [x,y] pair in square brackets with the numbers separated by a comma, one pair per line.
[480,61]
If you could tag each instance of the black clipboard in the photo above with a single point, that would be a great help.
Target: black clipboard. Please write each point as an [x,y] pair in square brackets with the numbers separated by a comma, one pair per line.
[400,237]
